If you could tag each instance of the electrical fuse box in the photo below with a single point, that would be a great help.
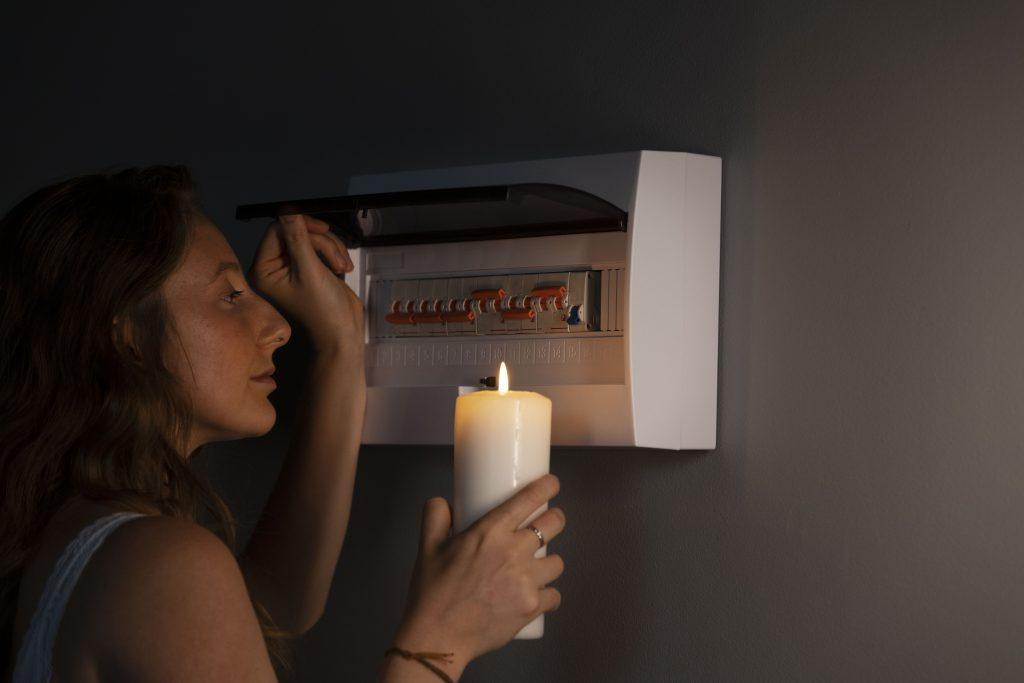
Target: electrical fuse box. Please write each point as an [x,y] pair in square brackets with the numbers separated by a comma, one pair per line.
[594,278]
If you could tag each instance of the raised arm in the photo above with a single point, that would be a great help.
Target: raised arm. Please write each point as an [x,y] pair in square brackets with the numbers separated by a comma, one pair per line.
[290,558]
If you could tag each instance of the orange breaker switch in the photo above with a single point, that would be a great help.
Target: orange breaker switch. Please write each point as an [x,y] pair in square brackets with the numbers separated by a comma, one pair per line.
[545,293]
[498,294]
[458,316]
[518,314]
[399,318]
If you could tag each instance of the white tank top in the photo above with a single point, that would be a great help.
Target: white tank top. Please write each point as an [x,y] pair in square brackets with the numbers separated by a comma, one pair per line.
[35,657]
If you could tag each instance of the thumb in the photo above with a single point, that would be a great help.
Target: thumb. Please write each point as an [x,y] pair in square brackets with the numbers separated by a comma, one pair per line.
[437,521]
[296,239]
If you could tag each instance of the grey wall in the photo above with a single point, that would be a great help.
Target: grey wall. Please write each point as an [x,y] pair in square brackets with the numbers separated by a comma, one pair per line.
[860,519]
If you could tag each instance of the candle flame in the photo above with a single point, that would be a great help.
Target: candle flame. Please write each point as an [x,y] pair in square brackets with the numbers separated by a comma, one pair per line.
[503,379]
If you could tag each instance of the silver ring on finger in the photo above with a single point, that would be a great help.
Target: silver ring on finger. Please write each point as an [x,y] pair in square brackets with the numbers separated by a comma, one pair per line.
[540,536]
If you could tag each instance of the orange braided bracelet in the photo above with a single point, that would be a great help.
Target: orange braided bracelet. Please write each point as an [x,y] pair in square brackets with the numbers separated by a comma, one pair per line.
[420,657]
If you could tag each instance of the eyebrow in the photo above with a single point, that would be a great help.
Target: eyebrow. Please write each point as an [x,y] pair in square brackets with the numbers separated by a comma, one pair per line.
[225,265]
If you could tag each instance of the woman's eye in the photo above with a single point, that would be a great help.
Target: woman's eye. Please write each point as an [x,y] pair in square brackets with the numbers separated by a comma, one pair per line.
[230,298]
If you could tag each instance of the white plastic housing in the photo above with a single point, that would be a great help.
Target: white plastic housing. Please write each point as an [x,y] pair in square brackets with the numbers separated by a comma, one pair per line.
[650,380]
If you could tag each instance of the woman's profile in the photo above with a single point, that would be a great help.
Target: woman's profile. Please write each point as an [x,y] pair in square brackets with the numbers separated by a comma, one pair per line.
[131,337]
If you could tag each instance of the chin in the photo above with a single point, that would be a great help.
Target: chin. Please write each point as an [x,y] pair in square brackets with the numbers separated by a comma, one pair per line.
[268,422]
[260,422]
[259,418]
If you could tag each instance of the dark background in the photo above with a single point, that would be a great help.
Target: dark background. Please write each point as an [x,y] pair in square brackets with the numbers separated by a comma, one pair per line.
[861,517]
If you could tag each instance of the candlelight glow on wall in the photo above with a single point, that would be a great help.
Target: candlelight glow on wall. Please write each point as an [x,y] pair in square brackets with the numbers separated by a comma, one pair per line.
[502,443]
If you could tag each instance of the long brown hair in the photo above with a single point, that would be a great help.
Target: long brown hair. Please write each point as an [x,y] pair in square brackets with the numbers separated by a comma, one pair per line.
[88,407]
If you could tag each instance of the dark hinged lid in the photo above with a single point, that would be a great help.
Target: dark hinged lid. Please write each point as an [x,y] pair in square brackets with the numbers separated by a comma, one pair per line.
[453,214]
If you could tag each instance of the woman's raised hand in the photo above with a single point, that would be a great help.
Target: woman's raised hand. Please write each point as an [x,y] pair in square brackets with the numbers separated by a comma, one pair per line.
[288,270]
[472,592]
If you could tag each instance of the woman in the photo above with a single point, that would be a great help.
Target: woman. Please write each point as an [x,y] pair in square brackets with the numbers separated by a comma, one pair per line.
[130,339]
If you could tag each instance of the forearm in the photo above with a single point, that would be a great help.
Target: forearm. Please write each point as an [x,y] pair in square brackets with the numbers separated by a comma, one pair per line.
[398,669]
[413,637]
[290,558]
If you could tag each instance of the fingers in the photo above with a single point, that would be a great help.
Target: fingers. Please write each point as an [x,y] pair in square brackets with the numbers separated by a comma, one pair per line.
[343,249]
[296,237]
[270,253]
[550,600]
[512,513]
[437,523]
[274,251]
[317,226]
[329,250]
[550,523]
[546,569]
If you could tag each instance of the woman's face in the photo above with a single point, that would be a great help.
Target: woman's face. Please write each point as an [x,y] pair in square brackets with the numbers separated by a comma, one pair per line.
[228,339]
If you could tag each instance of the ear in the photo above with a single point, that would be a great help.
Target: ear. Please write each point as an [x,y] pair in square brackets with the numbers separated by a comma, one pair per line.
[126,335]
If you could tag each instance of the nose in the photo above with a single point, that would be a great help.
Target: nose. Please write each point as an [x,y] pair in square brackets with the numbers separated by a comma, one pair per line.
[277,331]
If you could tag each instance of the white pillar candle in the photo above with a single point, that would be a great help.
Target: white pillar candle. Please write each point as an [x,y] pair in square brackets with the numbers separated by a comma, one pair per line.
[502,443]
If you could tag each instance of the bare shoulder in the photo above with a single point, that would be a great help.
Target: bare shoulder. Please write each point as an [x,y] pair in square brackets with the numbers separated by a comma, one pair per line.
[159,553]
[164,599]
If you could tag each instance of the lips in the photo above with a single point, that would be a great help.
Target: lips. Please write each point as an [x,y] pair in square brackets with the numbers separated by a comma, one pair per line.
[269,374]
[265,379]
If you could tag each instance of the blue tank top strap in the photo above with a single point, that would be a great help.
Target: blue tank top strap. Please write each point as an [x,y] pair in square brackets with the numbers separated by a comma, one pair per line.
[34,663]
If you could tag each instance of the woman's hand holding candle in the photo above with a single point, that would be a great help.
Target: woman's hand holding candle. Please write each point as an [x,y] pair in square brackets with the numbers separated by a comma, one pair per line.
[472,592]
[502,442]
